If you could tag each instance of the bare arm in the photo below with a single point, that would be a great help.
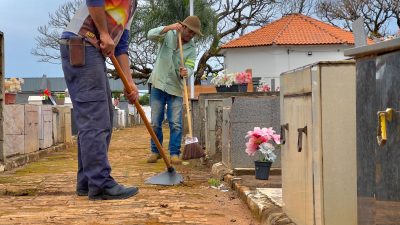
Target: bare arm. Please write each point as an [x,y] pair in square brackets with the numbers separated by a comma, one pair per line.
[99,16]
[175,26]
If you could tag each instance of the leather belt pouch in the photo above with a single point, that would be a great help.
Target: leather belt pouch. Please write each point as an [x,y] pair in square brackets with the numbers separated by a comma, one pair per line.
[77,51]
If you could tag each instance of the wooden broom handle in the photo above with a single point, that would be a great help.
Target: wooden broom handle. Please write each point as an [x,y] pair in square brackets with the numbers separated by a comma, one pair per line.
[140,110]
[185,94]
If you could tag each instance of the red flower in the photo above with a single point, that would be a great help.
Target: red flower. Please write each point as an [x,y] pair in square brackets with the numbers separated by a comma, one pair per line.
[46,92]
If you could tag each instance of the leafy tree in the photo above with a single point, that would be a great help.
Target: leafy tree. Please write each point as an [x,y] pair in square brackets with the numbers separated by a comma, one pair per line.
[144,100]
[222,21]
[154,13]
[142,52]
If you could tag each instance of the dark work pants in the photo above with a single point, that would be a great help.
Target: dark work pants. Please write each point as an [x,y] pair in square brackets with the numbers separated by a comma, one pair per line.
[93,112]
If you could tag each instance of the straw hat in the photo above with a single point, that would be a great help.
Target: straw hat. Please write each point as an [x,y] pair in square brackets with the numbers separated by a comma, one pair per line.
[193,23]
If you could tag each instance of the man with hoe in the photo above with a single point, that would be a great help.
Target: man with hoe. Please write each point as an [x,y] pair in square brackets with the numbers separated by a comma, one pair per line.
[99,29]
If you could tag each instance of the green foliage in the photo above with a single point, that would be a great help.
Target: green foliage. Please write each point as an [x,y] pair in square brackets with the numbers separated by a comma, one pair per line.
[116,94]
[144,100]
[60,95]
[165,12]
[214,182]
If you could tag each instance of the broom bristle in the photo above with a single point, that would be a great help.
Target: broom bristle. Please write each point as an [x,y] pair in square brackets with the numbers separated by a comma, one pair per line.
[193,151]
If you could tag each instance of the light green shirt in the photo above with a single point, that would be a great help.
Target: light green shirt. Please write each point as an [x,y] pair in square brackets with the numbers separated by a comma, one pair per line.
[165,75]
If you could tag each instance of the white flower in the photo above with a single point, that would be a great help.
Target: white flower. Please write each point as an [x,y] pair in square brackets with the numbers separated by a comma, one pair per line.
[13,85]
[267,149]
[223,78]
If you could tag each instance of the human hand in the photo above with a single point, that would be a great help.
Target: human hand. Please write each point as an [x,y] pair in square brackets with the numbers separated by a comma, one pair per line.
[107,45]
[133,95]
[183,72]
[175,26]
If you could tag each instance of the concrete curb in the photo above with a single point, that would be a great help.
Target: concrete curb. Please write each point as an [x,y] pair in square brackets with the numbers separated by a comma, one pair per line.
[259,204]
[20,160]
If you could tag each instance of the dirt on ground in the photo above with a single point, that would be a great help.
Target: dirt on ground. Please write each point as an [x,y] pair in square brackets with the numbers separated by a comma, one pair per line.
[44,192]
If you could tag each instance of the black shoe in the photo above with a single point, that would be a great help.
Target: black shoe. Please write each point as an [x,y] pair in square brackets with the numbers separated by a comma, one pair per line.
[82,192]
[116,192]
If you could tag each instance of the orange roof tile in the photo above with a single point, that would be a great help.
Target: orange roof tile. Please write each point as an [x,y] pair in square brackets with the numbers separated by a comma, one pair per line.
[294,29]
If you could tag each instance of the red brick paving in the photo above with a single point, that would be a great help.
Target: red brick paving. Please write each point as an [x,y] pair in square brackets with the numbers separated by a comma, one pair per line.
[43,192]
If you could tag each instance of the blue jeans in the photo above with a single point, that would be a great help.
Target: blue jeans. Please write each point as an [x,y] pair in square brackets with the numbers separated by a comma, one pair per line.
[158,100]
[93,112]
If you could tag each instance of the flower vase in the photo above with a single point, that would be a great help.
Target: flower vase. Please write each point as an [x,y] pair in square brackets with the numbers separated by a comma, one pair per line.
[242,87]
[262,170]
[9,98]
[232,88]
[224,88]
[60,101]
[46,101]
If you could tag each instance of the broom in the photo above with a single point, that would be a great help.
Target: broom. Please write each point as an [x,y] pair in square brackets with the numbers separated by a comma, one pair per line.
[192,149]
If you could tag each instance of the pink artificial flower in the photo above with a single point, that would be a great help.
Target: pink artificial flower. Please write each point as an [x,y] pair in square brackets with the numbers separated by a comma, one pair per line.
[239,78]
[251,148]
[255,132]
[277,138]
[265,88]
[268,131]
[247,77]
[260,139]
[259,136]
[242,78]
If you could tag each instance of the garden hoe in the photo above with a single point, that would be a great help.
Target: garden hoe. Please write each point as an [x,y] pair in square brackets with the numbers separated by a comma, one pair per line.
[170,177]
[192,149]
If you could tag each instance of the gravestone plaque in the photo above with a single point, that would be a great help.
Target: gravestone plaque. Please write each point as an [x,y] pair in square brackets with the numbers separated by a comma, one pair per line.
[240,115]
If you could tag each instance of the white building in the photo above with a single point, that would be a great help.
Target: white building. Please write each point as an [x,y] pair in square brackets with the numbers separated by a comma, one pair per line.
[293,41]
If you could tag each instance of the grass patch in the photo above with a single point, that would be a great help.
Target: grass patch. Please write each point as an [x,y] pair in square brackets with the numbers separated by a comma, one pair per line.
[58,157]
[214,182]
[7,180]
[49,165]
[24,192]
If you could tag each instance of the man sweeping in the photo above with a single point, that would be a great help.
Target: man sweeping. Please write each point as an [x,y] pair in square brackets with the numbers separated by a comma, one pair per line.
[167,81]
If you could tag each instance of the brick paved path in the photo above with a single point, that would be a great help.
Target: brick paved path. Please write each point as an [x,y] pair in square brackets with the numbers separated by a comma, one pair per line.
[43,192]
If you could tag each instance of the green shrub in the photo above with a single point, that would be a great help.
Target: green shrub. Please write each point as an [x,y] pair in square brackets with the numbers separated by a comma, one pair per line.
[214,182]
[144,100]
[60,95]
[116,94]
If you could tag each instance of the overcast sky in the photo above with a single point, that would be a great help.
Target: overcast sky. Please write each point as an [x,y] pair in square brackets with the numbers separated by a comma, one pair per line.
[19,21]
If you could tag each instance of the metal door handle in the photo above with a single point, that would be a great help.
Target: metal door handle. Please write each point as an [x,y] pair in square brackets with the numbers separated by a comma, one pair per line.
[383,116]
[300,138]
[283,128]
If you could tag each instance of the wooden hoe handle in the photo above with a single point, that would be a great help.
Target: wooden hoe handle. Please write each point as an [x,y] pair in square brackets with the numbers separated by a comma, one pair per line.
[141,112]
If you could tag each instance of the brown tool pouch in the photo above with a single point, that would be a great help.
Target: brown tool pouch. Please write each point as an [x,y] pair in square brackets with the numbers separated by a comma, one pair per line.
[77,51]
